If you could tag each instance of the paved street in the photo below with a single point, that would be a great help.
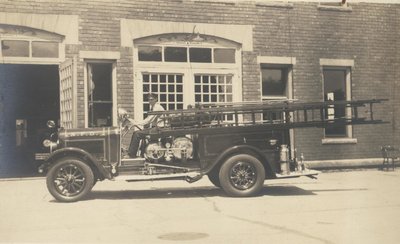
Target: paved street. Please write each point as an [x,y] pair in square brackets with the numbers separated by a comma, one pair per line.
[339,207]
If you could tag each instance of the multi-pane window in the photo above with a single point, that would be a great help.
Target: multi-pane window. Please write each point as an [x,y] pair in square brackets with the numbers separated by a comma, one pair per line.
[213,88]
[335,89]
[184,73]
[67,94]
[34,49]
[100,102]
[168,87]
[185,54]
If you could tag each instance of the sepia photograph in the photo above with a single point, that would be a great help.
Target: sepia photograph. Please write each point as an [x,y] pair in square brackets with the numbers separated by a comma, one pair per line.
[200,121]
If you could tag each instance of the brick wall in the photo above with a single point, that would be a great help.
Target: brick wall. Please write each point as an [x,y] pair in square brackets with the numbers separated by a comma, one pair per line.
[368,35]
[365,35]
[396,86]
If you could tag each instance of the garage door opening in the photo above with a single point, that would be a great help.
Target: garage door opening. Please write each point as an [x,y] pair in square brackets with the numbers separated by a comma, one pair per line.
[29,96]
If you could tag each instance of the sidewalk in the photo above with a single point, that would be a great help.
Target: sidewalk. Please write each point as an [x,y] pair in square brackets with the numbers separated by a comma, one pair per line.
[348,164]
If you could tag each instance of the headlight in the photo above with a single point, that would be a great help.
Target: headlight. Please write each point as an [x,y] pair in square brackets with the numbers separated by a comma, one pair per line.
[47,143]
[51,124]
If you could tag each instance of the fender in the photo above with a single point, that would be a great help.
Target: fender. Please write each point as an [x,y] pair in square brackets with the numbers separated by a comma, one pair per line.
[240,149]
[73,151]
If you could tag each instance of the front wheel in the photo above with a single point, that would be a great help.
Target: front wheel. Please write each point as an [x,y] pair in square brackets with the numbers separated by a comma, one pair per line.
[69,180]
[242,175]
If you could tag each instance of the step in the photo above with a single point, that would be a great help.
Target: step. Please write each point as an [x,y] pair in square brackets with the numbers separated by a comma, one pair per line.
[292,174]
[157,177]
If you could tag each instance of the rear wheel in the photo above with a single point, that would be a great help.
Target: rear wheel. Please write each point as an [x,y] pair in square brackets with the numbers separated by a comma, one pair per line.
[242,175]
[70,180]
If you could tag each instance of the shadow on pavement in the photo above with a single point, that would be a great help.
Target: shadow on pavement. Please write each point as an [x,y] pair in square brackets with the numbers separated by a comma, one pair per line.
[192,193]
[333,190]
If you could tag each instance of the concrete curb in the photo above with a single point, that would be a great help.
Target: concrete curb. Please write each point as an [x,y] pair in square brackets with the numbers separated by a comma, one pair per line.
[23,178]
[348,163]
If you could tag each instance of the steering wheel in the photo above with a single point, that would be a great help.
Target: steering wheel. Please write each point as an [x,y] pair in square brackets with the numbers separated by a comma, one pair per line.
[125,129]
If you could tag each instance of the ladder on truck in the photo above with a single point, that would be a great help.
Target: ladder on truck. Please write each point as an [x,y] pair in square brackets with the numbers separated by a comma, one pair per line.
[273,114]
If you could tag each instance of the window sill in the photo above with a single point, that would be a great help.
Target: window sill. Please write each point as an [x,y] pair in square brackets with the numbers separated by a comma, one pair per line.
[274,4]
[266,98]
[343,8]
[332,141]
[220,2]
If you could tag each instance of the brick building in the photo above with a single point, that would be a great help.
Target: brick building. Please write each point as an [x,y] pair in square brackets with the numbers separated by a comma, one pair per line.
[78,62]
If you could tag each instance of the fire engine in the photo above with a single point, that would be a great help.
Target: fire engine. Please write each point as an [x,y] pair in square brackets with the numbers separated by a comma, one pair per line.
[237,145]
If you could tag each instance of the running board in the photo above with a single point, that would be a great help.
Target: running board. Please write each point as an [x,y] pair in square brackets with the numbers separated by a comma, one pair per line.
[190,177]
[308,172]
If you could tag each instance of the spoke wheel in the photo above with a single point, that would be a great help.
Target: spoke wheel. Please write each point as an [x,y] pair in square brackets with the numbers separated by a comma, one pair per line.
[70,180]
[242,175]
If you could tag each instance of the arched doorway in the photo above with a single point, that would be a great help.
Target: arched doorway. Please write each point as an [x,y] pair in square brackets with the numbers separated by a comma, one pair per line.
[29,94]
[185,69]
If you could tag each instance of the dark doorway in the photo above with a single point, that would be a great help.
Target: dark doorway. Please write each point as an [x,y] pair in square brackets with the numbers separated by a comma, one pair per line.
[29,96]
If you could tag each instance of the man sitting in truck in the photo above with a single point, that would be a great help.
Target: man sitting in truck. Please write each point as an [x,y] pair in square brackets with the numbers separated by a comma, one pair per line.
[148,124]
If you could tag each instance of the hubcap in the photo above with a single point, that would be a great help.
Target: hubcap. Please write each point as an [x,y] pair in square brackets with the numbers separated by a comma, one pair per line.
[243,175]
[69,180]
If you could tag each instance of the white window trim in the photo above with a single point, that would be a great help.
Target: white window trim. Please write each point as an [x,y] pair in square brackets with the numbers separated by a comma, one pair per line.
[187,69]
[188,77]
[284,61]
[133,29]
[337,62]
[327,141]
[276,4]
[276,60]
[65,25]
[347,65]
[30,59]
[103,55]
[344,7]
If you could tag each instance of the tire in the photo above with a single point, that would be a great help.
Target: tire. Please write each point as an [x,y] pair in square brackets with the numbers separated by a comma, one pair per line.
[242,175]
[214,178]
[69,180]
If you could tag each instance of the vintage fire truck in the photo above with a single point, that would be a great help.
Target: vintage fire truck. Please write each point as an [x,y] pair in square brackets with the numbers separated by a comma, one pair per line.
[237,145]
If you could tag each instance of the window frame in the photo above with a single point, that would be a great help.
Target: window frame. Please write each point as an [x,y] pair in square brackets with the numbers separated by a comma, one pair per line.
[30,59]
[287,70]
[113,92]
[188,47]
[187,69]
[346,66]
[159,93]
[334,6]
[288,63]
